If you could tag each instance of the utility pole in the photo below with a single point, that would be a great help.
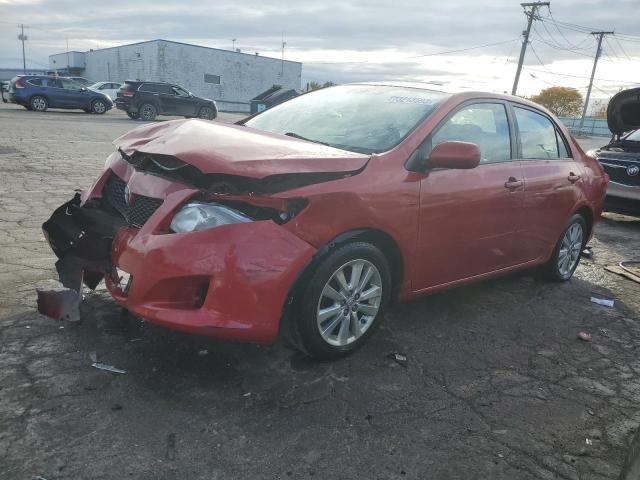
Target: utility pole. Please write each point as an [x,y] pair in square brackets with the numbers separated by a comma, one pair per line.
[284,44]
[531,15]
[593,74]
[23,37]
[233,48]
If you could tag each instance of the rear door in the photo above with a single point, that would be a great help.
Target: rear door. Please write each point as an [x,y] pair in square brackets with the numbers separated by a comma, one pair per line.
[470,219]
[552,180]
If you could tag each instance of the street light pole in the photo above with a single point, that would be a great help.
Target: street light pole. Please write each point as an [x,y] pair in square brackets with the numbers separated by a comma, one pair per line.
[22,37]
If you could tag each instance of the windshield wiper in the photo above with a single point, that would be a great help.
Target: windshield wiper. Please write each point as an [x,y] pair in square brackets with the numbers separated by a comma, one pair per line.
[295,135]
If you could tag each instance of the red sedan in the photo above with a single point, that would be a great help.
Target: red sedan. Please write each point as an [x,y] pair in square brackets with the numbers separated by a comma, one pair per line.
[307,219]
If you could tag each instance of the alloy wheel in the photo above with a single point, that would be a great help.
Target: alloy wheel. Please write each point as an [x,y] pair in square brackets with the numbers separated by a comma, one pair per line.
[99,107]
[349,302]
[147,112]
[205,112]
[570,248]
[39,104]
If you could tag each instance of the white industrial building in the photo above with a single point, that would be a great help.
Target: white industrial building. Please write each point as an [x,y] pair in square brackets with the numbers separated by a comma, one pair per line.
[231,78]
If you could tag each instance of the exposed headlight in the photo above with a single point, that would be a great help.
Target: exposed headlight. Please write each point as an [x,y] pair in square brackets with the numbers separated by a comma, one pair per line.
[196,216]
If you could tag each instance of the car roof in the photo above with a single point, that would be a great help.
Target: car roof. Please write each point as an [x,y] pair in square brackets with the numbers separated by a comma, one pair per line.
[459,95]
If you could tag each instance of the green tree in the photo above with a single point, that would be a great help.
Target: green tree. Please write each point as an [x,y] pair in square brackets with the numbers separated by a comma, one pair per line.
[562,101]
[318,85]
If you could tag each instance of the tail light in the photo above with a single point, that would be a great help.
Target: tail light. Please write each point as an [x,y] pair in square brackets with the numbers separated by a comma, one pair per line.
[127,93]
[18,84]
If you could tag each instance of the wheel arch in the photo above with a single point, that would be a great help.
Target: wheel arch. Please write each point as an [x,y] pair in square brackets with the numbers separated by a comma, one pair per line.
[380,239]
[586,212]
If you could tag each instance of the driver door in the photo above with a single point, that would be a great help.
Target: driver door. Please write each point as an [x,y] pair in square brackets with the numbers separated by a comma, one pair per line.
[469,220]
[73,94]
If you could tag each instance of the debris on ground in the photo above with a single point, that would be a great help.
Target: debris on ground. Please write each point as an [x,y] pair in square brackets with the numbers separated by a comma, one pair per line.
[630,270]
[203,352]
[399,358]
[585,336]
[588,441]
[58,302]
[587,252]
[104,366]
[605,302]
[38,477]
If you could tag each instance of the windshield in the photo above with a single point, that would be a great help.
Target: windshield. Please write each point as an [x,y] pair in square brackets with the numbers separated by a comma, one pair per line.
[633,136]
[361,118]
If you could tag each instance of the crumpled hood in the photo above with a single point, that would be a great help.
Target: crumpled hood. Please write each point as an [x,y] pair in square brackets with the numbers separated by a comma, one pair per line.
[237,150]
[623,111]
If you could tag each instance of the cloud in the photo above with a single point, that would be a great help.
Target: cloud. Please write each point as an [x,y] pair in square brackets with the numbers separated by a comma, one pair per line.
[378,36]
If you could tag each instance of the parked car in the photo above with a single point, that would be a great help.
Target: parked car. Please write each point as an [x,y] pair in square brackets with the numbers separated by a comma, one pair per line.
[310,217]
[39,92]
[108,88]
[621,156]
[147,100]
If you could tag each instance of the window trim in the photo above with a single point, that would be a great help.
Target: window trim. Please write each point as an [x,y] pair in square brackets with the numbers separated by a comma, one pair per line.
[425,146]
[559,135]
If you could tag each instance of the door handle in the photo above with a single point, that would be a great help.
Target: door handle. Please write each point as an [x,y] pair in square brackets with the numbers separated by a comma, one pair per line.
[573,178]
[512,183]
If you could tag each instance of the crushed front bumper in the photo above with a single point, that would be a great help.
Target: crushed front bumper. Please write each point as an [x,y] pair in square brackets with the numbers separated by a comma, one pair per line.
[229,282]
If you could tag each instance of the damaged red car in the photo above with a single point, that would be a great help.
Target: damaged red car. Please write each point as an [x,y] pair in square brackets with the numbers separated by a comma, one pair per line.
[307,219]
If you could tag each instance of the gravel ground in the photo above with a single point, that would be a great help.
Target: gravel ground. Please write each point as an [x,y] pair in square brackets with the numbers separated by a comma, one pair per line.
[496,384]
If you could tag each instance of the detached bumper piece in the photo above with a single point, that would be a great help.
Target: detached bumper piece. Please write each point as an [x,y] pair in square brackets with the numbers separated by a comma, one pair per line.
[81,238]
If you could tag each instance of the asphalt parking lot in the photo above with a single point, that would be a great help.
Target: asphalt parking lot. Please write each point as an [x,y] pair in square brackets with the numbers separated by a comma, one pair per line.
[496,383]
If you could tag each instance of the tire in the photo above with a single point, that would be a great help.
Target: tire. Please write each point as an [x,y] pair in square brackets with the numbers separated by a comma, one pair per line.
[566,254]
[99,106]
[133,115]
[347,320]
[147,112]
[207,113]
[38,103]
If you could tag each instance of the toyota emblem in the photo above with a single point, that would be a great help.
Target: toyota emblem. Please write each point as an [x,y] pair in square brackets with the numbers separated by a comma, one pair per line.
[633,170]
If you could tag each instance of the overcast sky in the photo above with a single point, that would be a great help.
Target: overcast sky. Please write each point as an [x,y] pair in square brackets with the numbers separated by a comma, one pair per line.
[346,40]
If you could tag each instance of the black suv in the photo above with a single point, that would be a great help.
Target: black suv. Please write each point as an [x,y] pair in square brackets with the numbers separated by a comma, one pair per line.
[146,100]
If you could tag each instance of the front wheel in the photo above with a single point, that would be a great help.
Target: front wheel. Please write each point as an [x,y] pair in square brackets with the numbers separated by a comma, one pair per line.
[343,301]
[566,254]
[38,103]
[99,106]
[207,113]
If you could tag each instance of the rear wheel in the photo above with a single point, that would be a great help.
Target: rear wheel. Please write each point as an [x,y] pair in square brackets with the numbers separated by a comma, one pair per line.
[566,254]
[133,115]
[38,103]
[147,112]
[99,106]
[342,303]
[206,113]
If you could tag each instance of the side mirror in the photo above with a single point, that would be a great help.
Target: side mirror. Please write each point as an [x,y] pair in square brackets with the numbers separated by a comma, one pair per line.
[84,89]
[460,155]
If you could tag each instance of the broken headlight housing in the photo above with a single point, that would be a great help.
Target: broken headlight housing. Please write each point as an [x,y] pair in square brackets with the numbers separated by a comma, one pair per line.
[197,216]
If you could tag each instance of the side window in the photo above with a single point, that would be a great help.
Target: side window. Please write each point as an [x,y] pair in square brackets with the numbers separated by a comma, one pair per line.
[51,82]
[181,92]
[148,87]
[35,81]
[69,84]
[484,124]
[538,136]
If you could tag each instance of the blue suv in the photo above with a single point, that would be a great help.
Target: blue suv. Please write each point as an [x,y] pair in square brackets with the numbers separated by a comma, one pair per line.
[39,92]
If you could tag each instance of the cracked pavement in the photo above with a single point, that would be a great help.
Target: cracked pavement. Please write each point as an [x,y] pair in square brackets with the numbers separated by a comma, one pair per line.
[496,384]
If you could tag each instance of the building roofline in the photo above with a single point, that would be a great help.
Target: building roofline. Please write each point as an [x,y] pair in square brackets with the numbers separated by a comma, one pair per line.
[180,43]
[64,53]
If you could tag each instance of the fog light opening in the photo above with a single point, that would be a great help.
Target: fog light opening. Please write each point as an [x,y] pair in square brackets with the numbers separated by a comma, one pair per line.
[201,294]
